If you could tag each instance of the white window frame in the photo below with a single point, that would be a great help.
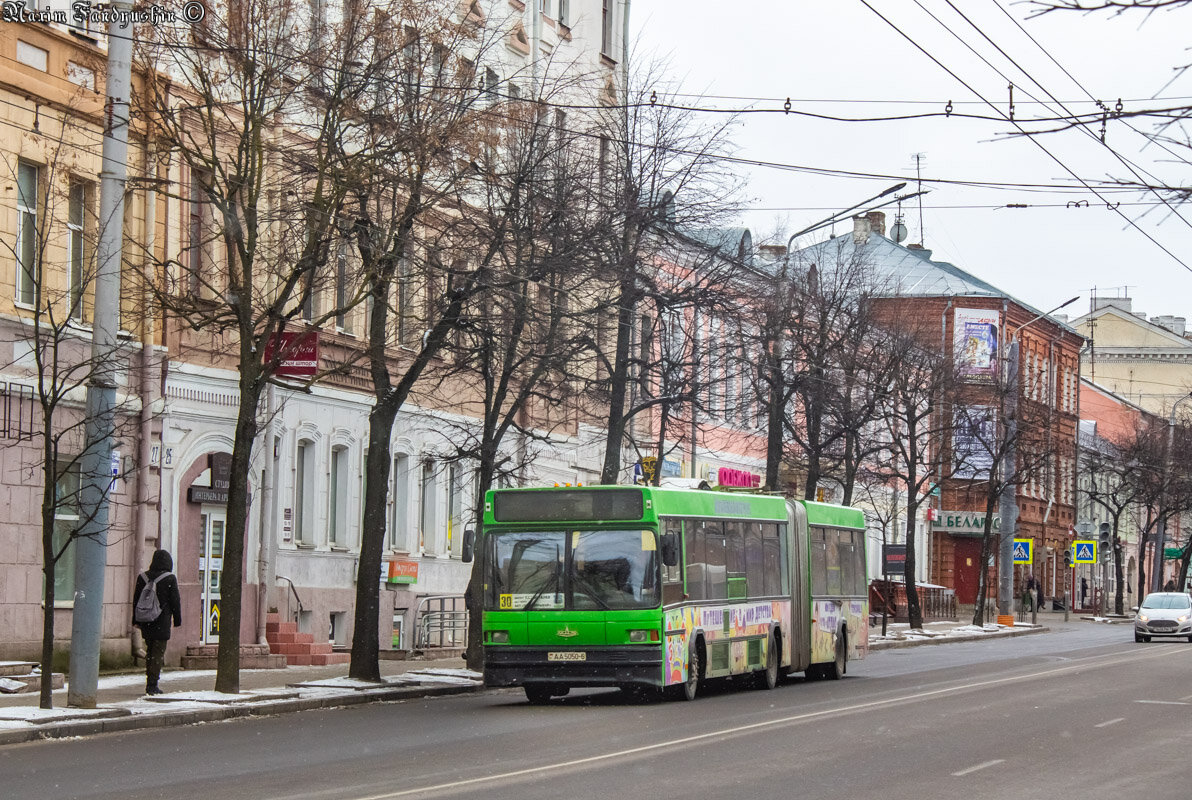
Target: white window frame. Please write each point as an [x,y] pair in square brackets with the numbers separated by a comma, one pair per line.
[28,257]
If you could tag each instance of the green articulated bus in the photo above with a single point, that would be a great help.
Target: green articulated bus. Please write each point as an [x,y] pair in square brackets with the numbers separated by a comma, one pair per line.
[652,589]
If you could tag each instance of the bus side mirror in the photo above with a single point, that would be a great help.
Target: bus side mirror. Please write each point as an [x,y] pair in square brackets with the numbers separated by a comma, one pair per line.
[670,549]
[469,545]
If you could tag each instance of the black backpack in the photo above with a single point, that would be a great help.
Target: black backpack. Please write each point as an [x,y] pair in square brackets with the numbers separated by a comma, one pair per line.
[148,607]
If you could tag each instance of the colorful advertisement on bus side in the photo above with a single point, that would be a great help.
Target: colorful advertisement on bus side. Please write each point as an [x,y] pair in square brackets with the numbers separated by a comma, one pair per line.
[828,615]
[720,623]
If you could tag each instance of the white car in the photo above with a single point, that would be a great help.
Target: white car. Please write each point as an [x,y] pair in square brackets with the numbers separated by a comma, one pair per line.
[1163,614]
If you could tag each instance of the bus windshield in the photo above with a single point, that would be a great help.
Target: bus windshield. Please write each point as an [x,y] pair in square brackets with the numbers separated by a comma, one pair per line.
[577,570]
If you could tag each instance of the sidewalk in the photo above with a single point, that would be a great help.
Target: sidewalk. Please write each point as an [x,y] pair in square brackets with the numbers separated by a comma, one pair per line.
[190,697]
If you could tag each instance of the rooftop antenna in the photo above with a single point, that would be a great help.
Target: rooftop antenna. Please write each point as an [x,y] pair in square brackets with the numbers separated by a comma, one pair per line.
[898,230]
[919,159]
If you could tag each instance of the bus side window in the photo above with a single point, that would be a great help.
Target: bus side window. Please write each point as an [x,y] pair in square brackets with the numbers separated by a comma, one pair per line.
[693,549]
[672,576]
[819,562]
[734,560]
[712,532]
[859,566]
[772,567]
[755,568]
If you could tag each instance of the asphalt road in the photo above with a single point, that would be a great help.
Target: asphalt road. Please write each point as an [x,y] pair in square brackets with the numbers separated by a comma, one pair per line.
[1081,712]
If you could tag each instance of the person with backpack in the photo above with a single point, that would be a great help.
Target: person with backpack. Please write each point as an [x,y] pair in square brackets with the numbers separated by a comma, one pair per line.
[155,602]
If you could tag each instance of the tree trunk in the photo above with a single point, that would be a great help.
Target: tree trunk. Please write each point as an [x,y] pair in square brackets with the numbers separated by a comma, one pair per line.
[365,661]
[626,305]
[227,675]
[49,561]
[983,567]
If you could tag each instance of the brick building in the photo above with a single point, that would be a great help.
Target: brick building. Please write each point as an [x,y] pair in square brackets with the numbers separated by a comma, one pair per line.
[972,321]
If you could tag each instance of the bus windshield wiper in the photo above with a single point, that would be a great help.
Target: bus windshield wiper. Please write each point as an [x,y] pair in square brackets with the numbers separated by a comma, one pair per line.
[591,590]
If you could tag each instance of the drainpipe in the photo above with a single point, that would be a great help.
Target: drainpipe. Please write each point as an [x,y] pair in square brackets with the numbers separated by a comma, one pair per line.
[625,57]
[267,533]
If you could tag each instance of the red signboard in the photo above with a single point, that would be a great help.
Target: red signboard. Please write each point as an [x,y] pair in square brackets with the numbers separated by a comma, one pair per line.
[299,353]
[726,476]
[403,571]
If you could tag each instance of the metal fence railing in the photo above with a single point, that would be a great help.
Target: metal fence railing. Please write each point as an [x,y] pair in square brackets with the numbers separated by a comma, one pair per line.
[441,621]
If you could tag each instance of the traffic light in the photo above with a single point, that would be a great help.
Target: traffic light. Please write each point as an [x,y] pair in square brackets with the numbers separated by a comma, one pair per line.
[1103,541]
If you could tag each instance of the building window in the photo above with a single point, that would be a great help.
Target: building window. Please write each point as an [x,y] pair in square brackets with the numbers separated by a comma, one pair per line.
[490,86]
[606,27]
[66,522]
[407,316]
[564,8]
[304,493]
[426,527]
[75,224]
[195,233]
[337,518]
[401,503]
[28,257]
[33,56]
[341,288]
[456,486]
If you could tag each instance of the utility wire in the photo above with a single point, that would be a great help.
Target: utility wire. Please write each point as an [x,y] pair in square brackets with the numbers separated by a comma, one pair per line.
[1038,144]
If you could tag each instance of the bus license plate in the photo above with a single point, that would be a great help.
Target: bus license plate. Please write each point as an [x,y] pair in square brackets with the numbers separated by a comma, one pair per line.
[567,656]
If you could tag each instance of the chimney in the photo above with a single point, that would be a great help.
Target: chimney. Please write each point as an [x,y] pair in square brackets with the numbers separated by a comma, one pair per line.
[772,252]
[860,229]
[1121,303]
[1176,325]
[877,222]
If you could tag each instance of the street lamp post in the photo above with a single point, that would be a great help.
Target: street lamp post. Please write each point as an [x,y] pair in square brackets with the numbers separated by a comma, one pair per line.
[1008,501]
[1161,540]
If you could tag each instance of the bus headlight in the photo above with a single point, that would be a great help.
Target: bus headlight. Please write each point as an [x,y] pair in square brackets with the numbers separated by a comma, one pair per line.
[643,636]
[498,637]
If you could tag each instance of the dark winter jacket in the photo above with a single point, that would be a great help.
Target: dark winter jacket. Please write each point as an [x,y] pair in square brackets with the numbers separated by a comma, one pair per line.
[167,596]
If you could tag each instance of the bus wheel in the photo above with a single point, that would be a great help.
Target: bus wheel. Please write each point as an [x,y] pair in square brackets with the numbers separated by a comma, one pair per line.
[835,670]
[695,669]
[768,677]
[537,694]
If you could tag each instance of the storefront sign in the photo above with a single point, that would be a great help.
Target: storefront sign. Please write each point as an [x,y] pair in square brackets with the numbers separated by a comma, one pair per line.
[220,465]
[726,476]
[299,353]
[970,522]
[894,559]
[403,571]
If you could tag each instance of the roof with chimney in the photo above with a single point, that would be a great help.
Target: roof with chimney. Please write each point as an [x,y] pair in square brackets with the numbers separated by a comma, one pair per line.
[902,271]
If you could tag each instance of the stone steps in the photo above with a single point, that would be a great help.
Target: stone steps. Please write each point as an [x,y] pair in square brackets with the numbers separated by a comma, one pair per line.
[299,649]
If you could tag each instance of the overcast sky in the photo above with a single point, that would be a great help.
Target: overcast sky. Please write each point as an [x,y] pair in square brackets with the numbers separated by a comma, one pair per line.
[839,58]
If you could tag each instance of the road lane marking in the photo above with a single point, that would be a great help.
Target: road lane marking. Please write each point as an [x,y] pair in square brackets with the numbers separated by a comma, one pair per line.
[1161,702]
[976,767]
[1109,722]
[1187,697]
[1130,656]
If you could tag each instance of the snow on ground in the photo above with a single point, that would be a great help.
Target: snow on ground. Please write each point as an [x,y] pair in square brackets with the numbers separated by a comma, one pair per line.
[901,631]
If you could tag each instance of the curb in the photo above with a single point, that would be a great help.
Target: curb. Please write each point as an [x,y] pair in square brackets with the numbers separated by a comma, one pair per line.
[262,708]
[897,644]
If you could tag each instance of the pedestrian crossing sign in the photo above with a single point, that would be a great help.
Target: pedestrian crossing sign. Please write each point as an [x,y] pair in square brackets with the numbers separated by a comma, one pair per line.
[1085,551]
[1024,551]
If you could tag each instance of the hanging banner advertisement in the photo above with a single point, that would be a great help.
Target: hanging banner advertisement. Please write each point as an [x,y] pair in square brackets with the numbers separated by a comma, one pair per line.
[973,441]
[975,343]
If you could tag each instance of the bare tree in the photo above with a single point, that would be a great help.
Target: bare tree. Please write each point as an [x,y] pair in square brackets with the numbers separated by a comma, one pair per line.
[1113,485]
[258,105]
[659,170]
[919,420]
[54,253]
[432,139]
